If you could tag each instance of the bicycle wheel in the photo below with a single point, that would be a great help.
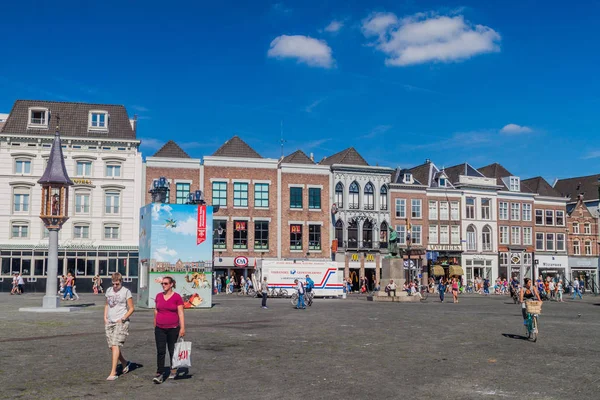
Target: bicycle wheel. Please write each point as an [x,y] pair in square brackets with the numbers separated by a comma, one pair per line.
[283,293]
[294,299]
[424,295]
[251,292]
[534,329]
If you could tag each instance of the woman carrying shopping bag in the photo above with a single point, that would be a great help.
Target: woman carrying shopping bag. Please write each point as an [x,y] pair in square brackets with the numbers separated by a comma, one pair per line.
[169,324]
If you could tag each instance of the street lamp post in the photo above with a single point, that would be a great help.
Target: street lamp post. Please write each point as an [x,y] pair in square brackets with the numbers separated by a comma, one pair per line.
[54,213]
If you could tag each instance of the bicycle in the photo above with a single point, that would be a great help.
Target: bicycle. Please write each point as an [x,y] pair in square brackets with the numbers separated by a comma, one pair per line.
[533,309]
[278,293]
[424,290]
[308,298]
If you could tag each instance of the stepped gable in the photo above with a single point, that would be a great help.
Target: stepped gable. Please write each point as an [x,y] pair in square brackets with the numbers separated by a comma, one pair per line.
[236,147]
[74,119]
[297,157]
[540,186]
[497,171]
[348,156]
[171,150]
[572,187]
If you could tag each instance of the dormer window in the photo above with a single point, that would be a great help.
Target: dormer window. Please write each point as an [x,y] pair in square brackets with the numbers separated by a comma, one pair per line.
[408,178]
[514,184]
[98,120]
[442,182]
[38,118]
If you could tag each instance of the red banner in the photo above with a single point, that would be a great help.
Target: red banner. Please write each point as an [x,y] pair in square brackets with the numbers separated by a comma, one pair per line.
[201,235]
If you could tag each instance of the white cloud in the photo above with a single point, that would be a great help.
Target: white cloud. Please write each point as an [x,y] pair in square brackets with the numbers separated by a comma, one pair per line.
[151,143]
[309,108]
[514,129]
[140,108]
[164,254]
[378,130]
[313,52]
[423,38]
[334,26]
[156,208]
[592,154]
[187,227]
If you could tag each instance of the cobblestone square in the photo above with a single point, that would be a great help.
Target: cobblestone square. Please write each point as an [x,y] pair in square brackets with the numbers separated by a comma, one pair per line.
[350,349]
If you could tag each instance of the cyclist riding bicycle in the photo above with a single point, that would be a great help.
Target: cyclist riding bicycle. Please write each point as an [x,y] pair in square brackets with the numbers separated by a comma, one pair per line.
[514,285]
[528,292]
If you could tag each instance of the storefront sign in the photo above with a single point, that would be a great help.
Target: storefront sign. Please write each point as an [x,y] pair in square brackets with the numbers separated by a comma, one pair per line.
[79,181]
[583,262]
[240,261]
[545,262]
[444,247]
[201,234]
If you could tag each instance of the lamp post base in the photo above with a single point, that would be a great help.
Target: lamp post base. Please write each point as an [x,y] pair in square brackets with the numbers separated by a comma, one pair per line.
[50,301]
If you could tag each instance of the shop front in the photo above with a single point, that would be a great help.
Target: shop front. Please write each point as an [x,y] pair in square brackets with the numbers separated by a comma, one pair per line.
[235,266]
[585,269]
[515,262]
[555,266]
[414,263]
[441,257]
[484,266]
[369,270]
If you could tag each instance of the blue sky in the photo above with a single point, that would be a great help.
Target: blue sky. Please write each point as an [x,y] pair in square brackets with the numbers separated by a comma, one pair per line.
[400,81]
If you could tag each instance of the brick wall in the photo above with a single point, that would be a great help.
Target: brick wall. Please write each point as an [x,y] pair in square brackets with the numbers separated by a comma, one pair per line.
[172,174]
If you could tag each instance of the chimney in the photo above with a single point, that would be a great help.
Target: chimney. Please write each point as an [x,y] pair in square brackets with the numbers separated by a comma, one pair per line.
[427,161]
[312,157]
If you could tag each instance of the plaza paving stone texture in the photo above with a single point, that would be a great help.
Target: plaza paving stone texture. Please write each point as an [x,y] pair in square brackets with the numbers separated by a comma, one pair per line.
[337,349]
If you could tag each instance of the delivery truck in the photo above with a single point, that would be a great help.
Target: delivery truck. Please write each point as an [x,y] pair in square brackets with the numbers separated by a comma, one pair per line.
[282,273]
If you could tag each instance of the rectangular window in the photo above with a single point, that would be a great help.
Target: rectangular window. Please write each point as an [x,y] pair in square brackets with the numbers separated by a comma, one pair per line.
[444,212]
[23,167]
[20,230]
[111,232]
[504,235]
[515,234]
[183,190]
[261,235]
[549,217]
[240,194]
[240,234]
[416,234]
[588,248]
[503,210]
[587,229]
[401,230]
[527,236]
[515,211]
[549,241]
[314,237]
[83,168]
[261,195]
[433,234]
[219,194]
[98,120]
[526,212]
[455,211]
[314,199]
[539,217]
[455,234]
[295,237]
[560,242]
[415,208]
[21,202]
[433,209]
[81,232]
[82,203]
[576,248]
[112,202]
[220,234]
[576,228]
[295,197]
[539,241]
[560,218]
[470,208]
[400,208]
[113,170]
[37,117]
[514,184]
[485,209]
[444,235]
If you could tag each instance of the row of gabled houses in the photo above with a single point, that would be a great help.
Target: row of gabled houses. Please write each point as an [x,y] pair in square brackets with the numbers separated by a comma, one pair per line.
[486,220]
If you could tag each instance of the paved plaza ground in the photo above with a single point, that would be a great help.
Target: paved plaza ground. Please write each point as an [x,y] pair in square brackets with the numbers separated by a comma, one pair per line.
[337,349]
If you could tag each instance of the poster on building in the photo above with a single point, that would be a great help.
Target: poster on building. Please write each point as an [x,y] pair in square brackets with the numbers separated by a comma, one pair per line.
[176,241]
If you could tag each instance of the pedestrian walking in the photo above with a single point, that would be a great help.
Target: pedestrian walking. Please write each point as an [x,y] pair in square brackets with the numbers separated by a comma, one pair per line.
[97,284]
[75,289]
[300,289]
[227,285]
[264,290]
[232,284]
[68,286]
[242,285]
[576,290]
[62,282]
[21,283]
[118,309]
[15,284]
[169,324]
[219,284]
[559,291]
[442,289]
[455,289]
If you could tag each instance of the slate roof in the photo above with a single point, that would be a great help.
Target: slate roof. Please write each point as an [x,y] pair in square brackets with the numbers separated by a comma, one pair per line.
[236,147]
[497,171]
[421,173]
[171,150]
[297,157]
[571,187]
[73,119]
[56,172]
[540,186]
[348,156]
[461,169]
[1,125]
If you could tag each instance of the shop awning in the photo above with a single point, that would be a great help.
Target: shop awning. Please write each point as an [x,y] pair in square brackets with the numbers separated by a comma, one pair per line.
[455,270]
[437,270]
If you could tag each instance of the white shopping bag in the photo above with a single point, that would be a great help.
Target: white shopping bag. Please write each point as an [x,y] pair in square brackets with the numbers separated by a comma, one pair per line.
[182,356]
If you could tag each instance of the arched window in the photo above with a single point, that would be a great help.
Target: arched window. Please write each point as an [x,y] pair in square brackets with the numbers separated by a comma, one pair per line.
[369,197]
[353,234]
[486,238]
[354,193]
[383,198]
[503,258]
[339,195]
[339,232]
[383,235]
[367,234]
[471,238]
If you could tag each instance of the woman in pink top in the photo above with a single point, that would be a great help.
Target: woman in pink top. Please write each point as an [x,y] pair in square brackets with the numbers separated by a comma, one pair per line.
[455,289]
[168,325]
